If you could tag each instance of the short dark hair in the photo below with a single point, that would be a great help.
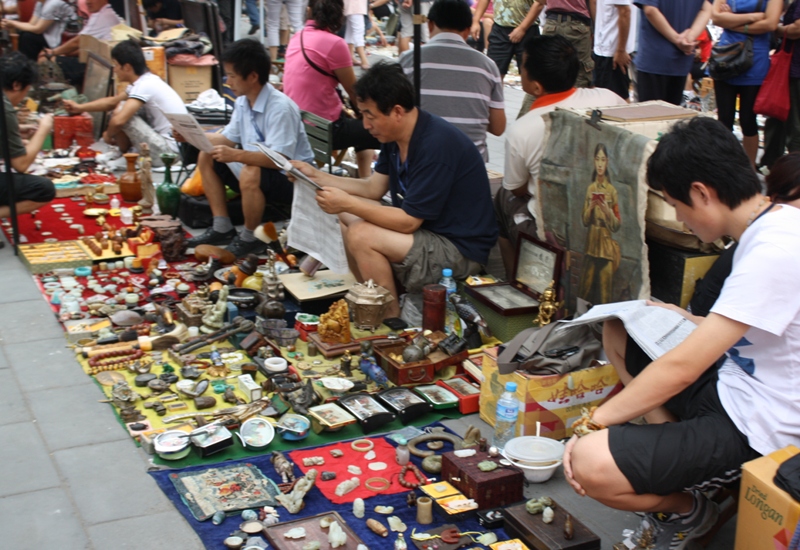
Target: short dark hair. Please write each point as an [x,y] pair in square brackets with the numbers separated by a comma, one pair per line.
[783,181]
[150,4]
[386,84]
[702,150]
[452,15]
[248,56]
[328,15]
[131,53]
[17,68]
[552,61]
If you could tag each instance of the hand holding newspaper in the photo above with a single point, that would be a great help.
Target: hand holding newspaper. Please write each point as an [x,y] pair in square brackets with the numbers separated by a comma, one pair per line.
[190,129]
[656,329]
[284,164]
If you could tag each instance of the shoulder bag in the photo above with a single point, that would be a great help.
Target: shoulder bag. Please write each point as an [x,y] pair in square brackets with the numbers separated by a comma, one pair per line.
[734,59]
[324,72]
[773,99]
[545,350]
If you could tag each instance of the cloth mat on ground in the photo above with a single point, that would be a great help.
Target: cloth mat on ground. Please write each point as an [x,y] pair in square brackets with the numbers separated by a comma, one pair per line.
[315,503]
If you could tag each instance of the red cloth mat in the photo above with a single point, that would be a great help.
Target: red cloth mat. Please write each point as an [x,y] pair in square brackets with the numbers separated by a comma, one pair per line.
[53,222]
[384,452]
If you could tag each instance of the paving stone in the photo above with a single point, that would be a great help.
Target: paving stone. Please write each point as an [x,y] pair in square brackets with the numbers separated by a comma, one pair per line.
[72,417]
[42,519]
[13,408]
[27,321]
[4,364]
[108,483]
[47,364]
[164,532]
[27,466]
[18,286]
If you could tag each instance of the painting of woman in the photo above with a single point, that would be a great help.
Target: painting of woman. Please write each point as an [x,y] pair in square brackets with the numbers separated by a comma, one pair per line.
[601,218]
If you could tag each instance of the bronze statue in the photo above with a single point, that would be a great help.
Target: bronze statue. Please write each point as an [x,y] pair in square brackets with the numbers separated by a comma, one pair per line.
[548,306]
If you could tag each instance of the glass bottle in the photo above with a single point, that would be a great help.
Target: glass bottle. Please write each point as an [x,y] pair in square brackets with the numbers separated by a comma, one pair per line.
[401,453]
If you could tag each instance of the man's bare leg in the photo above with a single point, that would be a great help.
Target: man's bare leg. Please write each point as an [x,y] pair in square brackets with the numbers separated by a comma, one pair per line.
[212,185]
[374,249]
[253,201]
[364,161]
[23,207]
[595,469]
[615,339]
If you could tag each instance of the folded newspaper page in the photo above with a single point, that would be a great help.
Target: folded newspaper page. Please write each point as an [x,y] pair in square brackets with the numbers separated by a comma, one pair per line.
[284,164]
[656,329]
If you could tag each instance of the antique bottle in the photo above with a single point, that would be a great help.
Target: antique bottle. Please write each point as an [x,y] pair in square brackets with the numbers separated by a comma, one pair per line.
[401,452]
[129,185]
[168,194]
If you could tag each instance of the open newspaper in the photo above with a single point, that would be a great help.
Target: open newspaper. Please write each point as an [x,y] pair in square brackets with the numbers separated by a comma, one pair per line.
[284,164]
[656,329]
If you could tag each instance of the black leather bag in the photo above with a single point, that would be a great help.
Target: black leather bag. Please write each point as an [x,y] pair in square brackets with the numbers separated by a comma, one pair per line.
[732,60]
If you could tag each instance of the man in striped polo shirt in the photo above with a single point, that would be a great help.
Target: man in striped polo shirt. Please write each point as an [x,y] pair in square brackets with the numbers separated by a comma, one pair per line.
[459,84]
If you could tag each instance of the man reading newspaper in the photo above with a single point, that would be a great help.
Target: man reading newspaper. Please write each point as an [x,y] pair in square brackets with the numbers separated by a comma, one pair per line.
[703,422]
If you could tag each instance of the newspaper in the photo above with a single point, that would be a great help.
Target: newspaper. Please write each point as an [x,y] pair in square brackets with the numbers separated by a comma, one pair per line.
[316,233]
[656,329]
[284,164]
[190,129]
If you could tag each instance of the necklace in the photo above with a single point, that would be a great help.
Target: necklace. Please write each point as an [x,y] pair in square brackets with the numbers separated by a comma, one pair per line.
[753,216]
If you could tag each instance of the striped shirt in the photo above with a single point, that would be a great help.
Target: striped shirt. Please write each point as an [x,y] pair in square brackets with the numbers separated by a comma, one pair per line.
[459,84]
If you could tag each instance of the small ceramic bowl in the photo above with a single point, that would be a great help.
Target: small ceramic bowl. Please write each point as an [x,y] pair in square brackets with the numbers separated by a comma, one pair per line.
[256,433]
[293,427]
[172,445]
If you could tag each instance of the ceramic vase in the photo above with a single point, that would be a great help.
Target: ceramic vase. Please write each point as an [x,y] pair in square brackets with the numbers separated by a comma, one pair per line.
[168,194]
[129,185]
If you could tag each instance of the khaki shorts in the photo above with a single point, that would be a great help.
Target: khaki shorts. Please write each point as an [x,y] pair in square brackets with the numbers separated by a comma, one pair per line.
[429,254]
[407,21]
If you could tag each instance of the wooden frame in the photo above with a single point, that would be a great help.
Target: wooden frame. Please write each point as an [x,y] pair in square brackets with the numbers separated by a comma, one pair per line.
[93,91]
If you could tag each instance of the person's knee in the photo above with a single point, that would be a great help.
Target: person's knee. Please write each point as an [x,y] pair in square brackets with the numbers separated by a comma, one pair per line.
[592,464]
[360,236]
[250,179]
[204,160]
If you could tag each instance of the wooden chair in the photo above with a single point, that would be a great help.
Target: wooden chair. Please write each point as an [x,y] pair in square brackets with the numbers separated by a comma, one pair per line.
[320,136]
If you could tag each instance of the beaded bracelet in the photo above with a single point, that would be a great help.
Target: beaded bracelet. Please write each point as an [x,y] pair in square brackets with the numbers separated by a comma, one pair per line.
[410,484]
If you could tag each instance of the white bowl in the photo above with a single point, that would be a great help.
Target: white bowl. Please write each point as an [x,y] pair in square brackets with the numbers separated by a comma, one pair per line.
[538,474]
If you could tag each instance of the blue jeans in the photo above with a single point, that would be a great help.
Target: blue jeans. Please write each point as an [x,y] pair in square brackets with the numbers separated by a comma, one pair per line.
[252,11]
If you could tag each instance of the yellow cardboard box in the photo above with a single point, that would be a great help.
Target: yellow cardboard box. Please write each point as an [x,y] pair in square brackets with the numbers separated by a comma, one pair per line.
[767,515]
[555,400]
[189,81]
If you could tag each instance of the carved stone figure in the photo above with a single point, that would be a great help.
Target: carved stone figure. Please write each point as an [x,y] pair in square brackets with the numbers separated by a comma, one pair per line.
[293,501]
[215,316]
[334,326]
[146,179]
[282,466]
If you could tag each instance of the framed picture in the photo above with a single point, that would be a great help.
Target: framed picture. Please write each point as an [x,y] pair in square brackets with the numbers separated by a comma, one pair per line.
[97,84]
[363,406]
[331,415]
[438,396]
[405,403]
[462,386]
[506,296]
[537,264]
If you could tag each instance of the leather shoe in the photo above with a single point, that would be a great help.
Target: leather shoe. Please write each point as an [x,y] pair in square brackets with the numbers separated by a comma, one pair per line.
[211,237]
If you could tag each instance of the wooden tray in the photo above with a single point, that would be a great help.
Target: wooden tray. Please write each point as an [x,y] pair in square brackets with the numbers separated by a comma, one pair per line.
[274,533]
[537,534]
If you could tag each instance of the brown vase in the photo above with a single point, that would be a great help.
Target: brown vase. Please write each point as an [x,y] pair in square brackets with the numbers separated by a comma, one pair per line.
[129,185]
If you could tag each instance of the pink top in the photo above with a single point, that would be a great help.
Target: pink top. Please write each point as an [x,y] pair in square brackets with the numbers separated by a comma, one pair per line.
[310,89]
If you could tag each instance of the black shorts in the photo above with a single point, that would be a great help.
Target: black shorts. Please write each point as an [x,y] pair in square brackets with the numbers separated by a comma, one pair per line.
[502,50]
[606,76]
[275,185]
[704,449]
[27,188]
[350,132]
[651,86]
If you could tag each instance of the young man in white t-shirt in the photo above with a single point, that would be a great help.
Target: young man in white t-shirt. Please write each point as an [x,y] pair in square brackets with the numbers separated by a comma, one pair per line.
[703,423]
[614,42]
[139,110]
[550,68]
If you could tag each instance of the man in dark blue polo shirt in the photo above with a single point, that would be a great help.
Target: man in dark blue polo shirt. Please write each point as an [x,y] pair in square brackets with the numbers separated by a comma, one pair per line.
[441,213]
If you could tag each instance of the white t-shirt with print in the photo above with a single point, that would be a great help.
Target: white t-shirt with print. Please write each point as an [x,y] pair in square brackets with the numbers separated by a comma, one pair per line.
[158,98]
[606,29]
[525,138]
[99,24]
[759,383]
[57,11]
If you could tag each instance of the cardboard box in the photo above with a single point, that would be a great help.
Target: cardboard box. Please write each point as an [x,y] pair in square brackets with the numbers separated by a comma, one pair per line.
[555,400]
[767,515]
[155,57]
[189,82]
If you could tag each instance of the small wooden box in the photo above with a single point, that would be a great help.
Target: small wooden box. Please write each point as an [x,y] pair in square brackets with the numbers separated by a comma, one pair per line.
[418,372]
[537,534]
[674,272]
[498,488]
[467,391]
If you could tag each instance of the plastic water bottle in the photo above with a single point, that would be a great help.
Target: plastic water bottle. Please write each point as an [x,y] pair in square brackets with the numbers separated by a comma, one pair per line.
[451,317]
[506,419]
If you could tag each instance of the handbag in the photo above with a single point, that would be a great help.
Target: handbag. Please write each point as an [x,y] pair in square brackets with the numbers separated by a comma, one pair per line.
[545,350]
[734,59]
[773,98]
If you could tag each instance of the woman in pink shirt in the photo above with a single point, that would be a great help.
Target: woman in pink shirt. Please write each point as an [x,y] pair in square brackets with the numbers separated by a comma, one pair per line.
[317,61]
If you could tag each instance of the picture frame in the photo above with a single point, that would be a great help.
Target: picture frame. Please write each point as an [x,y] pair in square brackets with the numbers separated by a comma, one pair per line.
[98,83]
[370,413]
[331,416]
[461,386]
[406,404]
[439,397]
